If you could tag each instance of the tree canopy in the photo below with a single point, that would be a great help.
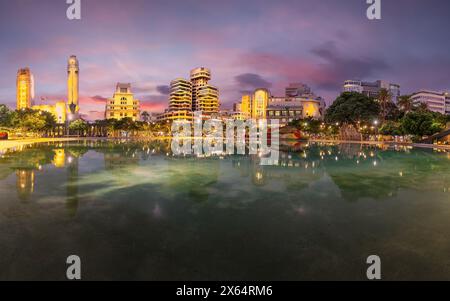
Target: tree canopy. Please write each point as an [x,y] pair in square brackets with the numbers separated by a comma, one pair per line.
[352,108]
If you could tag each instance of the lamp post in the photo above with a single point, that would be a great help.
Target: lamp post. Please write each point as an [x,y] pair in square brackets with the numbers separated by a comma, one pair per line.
[375,124]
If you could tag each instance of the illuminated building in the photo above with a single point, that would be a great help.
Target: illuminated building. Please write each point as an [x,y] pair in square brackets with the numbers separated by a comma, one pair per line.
[290,109]
[259,103]
[180,101]
[123,104]
[246,106]
[58,110]
[180,95]
[25,89]
[298,103]
[205,97]
[166,116]
[73,84]
[435,101]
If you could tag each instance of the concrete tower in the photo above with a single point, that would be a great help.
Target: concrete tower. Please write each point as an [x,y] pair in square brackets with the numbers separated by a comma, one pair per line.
[73,73]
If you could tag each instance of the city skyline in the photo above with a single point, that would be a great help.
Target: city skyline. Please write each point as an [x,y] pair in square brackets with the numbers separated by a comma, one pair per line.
[257,44]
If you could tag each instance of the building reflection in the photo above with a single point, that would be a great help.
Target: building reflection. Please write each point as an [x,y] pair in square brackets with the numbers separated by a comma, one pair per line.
[59,160]
[25,183]
[72,192]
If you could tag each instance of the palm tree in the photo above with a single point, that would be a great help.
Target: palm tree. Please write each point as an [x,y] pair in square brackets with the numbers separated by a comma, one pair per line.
[145,116]
[384,97]
[405,103]
[421,107]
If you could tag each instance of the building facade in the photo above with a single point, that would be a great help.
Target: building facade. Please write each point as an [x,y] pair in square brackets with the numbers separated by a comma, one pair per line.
[205,97]
[122,104]
[298,103]
[288,109]
[372,89]
[298,90]
[25,89]
[73,73]
[58,111]
[435,101]
[180,98]
[260,102]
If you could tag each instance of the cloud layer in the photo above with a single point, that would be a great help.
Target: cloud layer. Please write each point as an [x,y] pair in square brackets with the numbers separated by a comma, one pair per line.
[250,44]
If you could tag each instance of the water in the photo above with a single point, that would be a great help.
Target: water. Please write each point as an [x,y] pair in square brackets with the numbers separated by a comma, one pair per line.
[132,211]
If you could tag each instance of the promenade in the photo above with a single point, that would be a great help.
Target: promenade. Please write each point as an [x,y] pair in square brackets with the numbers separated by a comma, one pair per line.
[391,143]
[10,144]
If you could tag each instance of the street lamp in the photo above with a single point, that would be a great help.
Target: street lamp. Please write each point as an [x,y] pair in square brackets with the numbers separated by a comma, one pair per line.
[375,123]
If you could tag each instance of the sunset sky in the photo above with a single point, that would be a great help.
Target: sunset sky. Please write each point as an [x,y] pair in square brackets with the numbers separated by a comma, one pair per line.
[247,44]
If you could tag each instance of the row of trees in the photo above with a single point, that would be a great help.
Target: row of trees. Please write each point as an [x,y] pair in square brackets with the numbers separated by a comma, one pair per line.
[357,116]
[40,123]
[27,121]
[120,128]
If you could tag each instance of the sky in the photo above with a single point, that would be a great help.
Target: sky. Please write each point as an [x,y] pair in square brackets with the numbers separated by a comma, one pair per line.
[247,44]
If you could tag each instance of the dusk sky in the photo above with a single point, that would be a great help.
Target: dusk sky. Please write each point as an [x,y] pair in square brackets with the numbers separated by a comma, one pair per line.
[247,44]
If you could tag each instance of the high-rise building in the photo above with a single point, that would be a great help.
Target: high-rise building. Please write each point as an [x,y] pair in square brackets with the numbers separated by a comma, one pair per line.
[260,102]
[435,101]
[372,89]
[73,73]
[180,95]
[123,104]
[25,89]
[205,97]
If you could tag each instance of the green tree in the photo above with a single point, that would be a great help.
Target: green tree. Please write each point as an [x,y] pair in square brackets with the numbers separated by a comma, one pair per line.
[5,116]
[33,121]
[384,98]
[79,126]
[391,128]
[352,108]
[145,116]
[405,103]
[422,123]
[393,113]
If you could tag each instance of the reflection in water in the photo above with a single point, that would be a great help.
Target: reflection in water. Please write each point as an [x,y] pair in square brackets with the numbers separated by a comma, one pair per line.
[359,171]
[24,183]
[223,217]
[60,158]
[72,185]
